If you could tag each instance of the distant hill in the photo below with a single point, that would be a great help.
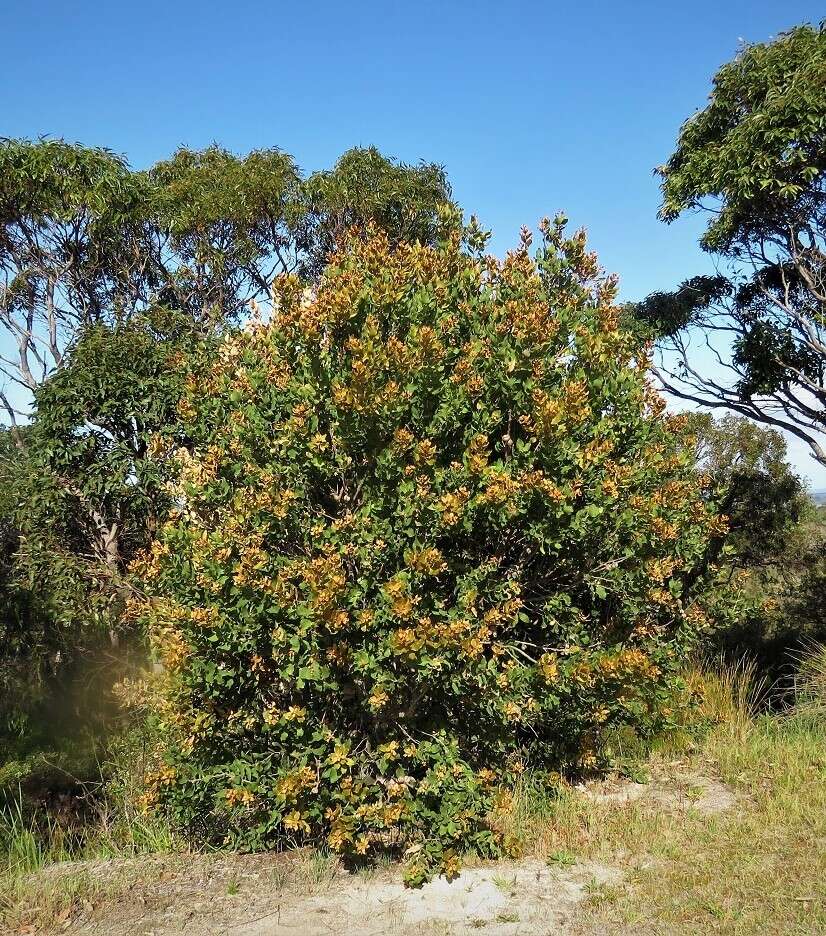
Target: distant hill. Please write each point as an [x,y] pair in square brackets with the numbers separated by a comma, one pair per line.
[819,497]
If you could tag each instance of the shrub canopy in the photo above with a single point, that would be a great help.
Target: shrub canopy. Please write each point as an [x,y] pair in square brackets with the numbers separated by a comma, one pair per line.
[434,529]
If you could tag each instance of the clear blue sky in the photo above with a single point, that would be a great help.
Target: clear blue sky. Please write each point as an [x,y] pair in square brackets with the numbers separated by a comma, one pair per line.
[531,106]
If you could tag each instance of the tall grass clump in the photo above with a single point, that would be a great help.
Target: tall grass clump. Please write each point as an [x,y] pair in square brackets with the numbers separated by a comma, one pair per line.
[28,841]
[731,692]
[810,684]
[44,855]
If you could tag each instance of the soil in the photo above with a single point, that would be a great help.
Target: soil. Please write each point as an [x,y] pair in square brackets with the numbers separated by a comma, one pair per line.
[273,895]
[291,893]
[672,788]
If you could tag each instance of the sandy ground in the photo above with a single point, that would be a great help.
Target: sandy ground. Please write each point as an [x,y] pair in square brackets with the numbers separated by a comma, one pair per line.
[671,793]
[505,900]
[293,895]
[259,896]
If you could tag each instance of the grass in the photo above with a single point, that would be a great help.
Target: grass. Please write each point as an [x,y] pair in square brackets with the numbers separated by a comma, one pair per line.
[26,847]
[758,868]
[45,873]
[41,882]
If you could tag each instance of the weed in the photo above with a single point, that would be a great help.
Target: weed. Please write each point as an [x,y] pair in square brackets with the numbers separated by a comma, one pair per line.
[505,884]
[319,868]
[280,876]
[638,773]
[561,859]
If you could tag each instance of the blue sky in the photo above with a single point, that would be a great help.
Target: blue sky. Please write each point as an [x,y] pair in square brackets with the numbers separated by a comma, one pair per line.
[532,107]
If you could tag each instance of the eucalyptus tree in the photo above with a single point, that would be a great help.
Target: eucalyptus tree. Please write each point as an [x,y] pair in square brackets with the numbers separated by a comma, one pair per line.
[753,338]
[71,252]
[85,240]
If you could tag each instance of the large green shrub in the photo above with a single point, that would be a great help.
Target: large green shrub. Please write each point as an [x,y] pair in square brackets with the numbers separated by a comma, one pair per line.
[433,530]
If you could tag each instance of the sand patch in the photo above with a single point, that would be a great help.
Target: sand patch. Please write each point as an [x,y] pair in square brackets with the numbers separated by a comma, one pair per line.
[515,899]
[674,791]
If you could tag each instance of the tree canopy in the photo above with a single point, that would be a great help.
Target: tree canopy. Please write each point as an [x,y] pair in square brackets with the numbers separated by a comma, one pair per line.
[755,159]
[86,240]
[754,156]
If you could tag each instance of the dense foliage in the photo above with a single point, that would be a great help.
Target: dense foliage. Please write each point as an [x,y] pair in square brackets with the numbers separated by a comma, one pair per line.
[90,491]
[26,631]
[764,586]
[433,528]
[113,284]
[757,489]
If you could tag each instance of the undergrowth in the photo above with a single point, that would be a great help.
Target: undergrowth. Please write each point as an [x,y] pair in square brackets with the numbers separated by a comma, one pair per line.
[42,879]
[758,867]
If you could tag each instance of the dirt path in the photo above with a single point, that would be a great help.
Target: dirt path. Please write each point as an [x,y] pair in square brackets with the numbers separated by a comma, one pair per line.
[258,896]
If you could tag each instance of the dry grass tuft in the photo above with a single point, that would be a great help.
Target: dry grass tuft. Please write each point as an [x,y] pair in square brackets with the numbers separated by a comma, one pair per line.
[811,682]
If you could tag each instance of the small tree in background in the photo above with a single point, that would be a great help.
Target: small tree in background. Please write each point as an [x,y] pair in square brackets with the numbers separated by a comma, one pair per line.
[90,493]
[766,598]
[80,496]
[757,489]
[433,530]
[27,632]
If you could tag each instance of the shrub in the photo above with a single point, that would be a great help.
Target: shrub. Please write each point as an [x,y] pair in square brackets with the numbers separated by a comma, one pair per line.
[433,529]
